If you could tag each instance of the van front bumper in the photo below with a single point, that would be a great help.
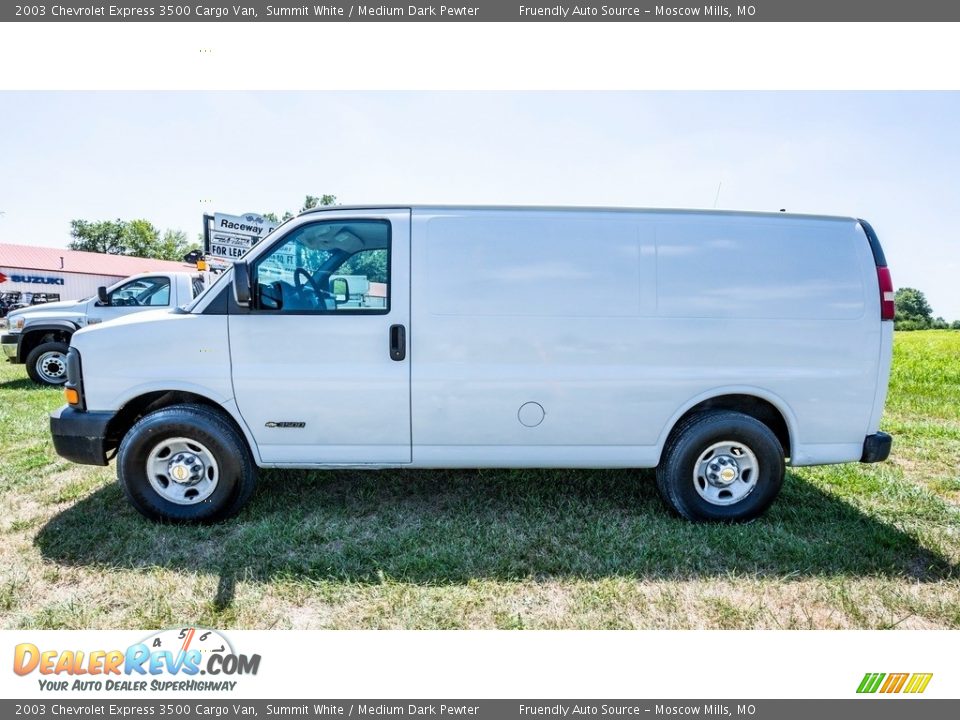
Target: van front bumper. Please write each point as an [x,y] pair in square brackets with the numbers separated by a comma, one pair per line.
[876,447]
[10,344]
[80,437]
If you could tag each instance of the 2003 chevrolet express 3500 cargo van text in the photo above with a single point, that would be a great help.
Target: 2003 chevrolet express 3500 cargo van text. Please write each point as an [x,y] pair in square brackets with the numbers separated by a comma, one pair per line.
[710,345]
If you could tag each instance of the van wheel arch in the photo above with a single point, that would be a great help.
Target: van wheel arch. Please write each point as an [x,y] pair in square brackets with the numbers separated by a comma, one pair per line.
[143,405]
[756,407]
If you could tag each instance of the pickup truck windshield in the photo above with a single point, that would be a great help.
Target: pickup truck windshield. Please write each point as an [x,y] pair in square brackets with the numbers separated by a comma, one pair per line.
[189,306]
[143,292]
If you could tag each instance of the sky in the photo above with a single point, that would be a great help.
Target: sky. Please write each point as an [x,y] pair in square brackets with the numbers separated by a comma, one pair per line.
[891,158]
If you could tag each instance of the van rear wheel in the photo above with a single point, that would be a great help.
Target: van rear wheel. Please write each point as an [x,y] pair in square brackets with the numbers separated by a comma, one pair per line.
[721,466]
[186,464]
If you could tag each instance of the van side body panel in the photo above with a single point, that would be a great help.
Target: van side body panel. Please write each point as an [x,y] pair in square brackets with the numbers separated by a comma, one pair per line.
[610,325]
[174,352]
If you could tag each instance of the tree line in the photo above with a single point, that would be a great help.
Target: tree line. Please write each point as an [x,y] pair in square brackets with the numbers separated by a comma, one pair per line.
[913,312]
[137,238]
[141,238]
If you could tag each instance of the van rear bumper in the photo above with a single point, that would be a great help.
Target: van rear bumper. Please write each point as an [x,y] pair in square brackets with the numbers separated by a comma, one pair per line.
[876,447]
[80,437]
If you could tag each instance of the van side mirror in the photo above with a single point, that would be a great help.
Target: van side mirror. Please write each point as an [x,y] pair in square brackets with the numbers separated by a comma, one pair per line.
[102,296]
[340,289]
[271,296]
[241,283]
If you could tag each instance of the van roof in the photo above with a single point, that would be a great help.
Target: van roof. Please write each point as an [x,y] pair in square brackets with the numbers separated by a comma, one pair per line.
[586,208]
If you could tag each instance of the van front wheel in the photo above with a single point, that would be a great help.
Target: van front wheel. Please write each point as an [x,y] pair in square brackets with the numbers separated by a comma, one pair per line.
[721,466]
[187,464]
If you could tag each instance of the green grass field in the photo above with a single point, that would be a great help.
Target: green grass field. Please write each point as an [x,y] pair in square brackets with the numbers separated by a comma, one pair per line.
[852,546]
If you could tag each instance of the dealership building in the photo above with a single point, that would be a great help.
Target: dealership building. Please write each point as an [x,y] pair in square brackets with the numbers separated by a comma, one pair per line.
[61,274]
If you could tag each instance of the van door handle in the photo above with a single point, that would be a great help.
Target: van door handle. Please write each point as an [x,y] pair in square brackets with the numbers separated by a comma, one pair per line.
[398,342]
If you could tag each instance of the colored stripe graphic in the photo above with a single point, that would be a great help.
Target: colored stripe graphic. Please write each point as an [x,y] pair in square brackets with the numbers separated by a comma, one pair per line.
[894,683]
[918,683]
[870,682]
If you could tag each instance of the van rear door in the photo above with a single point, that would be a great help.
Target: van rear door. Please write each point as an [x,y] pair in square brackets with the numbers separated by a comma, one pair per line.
[321,371]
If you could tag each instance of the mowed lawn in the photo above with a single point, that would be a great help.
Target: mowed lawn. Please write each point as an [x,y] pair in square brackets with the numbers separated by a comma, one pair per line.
[853,546]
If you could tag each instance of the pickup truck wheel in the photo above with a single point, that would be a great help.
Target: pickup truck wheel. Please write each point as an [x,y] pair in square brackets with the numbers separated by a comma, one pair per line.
[47,363]
[721,466]
[186,464]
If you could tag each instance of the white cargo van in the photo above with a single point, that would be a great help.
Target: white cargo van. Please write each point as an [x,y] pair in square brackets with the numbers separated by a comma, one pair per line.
[711,345]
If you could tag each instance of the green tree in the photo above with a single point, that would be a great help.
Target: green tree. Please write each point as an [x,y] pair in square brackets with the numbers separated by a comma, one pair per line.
[174,245]
[905,325]
[105,236]
[955,325]
[309,203]
[139,238]
[912,309]
[142,238]
[312,201]
[371,263]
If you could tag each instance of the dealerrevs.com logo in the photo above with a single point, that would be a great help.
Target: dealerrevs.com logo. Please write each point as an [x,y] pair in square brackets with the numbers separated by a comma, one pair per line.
[181,659]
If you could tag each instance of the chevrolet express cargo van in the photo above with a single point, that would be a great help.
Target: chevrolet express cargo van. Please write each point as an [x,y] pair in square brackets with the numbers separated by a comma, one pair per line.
[710,345]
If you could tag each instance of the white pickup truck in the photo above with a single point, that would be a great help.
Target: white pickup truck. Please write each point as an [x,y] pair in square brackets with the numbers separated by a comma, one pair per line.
[39,336]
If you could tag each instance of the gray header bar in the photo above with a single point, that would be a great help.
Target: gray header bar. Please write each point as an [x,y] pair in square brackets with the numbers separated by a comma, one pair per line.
[482,11]
[226,707]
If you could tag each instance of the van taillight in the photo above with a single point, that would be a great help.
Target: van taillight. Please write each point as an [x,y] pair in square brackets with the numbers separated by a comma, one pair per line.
[886,293]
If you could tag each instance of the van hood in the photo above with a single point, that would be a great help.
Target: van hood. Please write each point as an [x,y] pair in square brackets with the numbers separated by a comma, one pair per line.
[138,318]
[154,351]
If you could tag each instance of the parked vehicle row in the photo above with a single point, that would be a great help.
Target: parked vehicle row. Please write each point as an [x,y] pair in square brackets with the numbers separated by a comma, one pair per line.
[714,346]
[39,336]
[10,301]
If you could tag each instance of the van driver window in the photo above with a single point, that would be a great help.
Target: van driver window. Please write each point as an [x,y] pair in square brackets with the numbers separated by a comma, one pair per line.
[327,267]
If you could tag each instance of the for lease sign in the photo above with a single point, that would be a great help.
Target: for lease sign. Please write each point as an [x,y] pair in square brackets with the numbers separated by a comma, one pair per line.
[232,235]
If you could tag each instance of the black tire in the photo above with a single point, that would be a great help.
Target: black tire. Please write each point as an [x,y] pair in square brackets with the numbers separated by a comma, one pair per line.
[693,437]
[44,375]
[237,473]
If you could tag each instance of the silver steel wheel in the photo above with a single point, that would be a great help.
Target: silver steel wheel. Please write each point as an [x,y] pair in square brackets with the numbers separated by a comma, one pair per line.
[52,367]
[725,473]
[182,471]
